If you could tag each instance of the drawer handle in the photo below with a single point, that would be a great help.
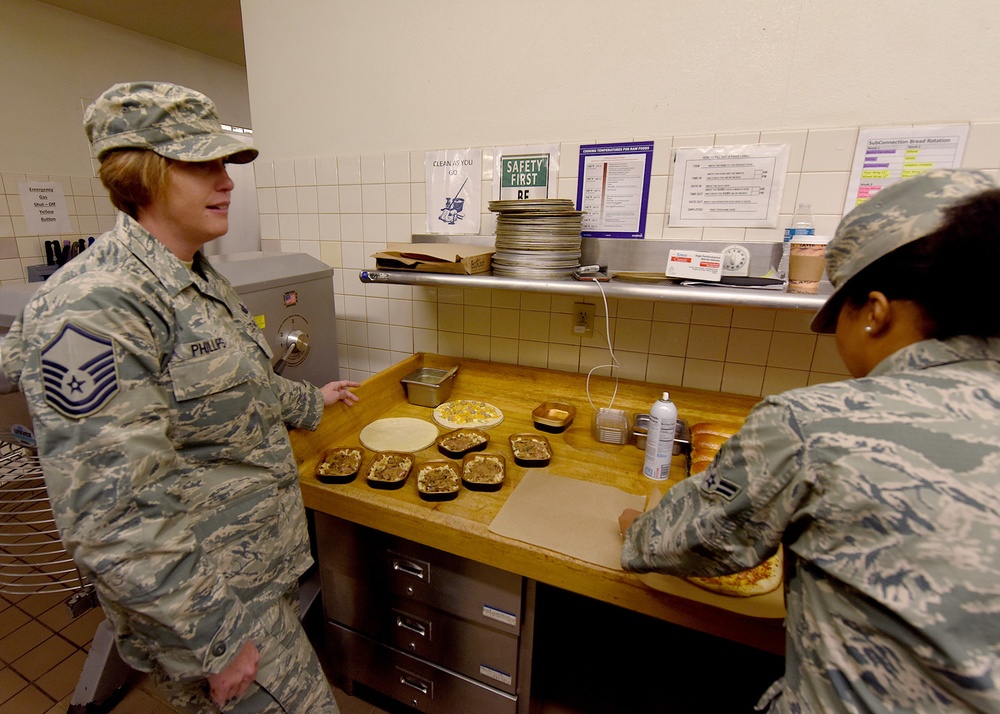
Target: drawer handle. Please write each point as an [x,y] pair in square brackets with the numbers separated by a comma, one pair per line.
[415,626]
[415,683]
[409,567]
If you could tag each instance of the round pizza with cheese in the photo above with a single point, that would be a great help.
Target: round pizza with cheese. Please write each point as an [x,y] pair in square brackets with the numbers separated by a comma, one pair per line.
[467,413]
[760,580]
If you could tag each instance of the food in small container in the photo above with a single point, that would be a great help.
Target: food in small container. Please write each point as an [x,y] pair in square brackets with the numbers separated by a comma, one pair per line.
[438,480]
[554,417]
[530,449]
[460,442]
[483,472]
[389,469]
[340,465]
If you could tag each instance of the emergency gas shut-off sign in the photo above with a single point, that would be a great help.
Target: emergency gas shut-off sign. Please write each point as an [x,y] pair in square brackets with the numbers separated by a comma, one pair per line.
[45,210]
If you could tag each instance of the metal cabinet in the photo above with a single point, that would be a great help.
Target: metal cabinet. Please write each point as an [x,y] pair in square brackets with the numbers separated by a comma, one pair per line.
[435,631]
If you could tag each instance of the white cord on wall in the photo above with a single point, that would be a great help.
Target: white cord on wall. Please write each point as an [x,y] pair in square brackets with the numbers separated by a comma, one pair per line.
[614,360]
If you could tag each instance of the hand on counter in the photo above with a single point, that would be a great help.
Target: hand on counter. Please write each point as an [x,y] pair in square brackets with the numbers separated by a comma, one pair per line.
[339,391]
[626,519]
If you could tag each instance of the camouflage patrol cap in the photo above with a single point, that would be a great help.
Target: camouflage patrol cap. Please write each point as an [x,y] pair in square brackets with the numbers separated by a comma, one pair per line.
[893,217]
[170,120]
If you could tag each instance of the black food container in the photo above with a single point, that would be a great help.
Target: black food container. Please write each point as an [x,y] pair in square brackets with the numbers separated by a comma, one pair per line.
[389,469]
[456,444]
[483,472]
[340,464]
[530,450]
[438,480]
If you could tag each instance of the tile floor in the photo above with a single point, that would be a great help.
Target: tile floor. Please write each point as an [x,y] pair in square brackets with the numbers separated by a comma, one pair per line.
[591,670]
[43,649]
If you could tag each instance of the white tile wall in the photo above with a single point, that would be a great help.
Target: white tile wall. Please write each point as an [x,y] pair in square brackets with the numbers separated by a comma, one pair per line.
[343,209]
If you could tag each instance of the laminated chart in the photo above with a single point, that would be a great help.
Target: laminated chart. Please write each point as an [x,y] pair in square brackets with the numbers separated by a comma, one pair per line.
[886,156]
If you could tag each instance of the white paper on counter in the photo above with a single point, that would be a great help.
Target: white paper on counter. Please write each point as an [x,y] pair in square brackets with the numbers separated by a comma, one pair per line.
[567,515]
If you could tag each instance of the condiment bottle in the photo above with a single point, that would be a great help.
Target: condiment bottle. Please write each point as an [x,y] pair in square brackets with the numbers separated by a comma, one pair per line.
[660,439]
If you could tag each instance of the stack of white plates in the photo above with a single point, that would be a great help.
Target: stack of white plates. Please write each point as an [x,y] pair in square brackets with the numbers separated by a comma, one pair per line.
[537,238]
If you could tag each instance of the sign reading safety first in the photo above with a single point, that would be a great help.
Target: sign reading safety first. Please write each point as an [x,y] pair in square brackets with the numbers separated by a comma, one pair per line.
[526,172]
[524,177]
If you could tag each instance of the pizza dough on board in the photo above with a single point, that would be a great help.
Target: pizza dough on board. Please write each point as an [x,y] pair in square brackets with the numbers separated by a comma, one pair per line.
[398,434]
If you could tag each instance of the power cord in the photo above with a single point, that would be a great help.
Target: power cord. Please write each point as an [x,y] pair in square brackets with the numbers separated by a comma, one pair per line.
[614,360]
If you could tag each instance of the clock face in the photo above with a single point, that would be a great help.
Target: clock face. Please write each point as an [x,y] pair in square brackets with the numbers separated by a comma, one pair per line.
[735,260]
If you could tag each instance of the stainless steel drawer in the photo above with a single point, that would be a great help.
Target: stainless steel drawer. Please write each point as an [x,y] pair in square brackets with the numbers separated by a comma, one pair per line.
[387,564]
[422,685]
[479,652]
[463,587]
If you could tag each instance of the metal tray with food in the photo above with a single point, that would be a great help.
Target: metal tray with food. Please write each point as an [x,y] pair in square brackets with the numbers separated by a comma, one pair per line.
[340,464]
[456,444]
[530,450]
[438,480]
[389,469]
[483,471]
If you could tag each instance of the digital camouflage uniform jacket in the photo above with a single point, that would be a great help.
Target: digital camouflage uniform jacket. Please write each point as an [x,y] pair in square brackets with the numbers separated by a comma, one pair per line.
[162,437]
[885,492]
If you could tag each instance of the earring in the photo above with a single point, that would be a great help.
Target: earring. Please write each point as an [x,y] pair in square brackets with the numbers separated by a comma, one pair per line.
[868,328]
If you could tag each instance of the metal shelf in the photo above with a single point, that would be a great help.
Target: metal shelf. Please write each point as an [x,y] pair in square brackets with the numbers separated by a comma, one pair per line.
[701,294]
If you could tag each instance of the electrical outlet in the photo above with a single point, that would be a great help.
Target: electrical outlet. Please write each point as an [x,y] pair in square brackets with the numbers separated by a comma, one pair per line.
[583,320]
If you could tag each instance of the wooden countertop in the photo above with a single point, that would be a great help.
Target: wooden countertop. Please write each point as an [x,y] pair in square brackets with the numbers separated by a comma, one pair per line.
[461,526]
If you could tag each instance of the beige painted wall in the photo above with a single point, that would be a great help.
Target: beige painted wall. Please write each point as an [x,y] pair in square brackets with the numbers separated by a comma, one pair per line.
[56,62]
[329,78]
[346,97]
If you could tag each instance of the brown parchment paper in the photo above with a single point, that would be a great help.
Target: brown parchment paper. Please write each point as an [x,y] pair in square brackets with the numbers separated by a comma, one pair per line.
[567,515]
[580,519]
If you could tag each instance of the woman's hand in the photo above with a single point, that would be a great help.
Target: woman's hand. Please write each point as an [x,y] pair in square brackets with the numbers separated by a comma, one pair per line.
[334,392]
[232,682]
[626,519]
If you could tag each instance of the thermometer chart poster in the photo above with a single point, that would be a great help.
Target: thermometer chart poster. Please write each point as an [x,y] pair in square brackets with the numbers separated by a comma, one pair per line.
[886,156]
[613,189]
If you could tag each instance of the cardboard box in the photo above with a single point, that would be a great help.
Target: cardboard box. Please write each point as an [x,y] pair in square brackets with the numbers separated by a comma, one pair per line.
[694,264]
[435,258]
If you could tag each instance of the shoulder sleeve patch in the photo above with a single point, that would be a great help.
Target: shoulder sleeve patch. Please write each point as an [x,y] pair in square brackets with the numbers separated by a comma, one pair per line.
[721,486]
[79,373]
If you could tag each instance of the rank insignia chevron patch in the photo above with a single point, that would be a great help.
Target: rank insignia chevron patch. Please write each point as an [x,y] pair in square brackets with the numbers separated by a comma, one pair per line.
[724,487]
[79,374]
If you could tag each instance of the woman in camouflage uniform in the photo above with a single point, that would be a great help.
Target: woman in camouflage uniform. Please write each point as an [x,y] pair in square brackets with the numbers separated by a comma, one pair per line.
[884,490]
[161,425]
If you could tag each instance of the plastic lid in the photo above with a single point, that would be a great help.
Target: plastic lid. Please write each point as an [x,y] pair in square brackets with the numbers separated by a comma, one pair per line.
[809,238]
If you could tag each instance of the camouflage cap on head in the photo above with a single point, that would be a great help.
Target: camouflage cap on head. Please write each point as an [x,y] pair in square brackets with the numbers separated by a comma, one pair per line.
[170,120]
[893,217]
